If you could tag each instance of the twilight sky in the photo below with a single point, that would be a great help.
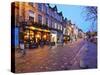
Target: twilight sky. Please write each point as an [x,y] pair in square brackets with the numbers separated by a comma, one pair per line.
[76,14]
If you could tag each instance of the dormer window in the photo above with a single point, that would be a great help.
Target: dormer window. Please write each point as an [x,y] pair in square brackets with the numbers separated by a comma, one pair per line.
[40,6]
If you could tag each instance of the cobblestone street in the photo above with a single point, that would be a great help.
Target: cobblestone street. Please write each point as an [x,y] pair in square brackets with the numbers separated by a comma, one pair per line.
[70,56]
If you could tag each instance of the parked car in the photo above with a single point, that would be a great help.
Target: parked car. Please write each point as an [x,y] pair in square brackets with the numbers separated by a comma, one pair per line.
[93,39]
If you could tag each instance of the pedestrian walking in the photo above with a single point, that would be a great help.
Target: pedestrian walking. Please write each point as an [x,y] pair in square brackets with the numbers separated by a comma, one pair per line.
[62,42]
[50,45]
[22,48]
[41,43]
[71,39]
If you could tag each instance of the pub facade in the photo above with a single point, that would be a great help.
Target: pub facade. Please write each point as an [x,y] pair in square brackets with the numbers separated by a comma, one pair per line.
[36,22]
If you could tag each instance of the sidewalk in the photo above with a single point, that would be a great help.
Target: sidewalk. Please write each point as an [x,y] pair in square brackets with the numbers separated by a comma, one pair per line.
[89,56]
[86,58]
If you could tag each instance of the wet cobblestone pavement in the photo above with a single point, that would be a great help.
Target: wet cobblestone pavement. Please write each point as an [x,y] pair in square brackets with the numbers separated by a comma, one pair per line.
[54,59]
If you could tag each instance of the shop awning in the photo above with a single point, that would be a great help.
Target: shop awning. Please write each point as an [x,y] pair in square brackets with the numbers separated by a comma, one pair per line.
[39,29]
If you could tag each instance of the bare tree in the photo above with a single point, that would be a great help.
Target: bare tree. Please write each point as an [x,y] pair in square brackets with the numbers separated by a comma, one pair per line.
[91,15]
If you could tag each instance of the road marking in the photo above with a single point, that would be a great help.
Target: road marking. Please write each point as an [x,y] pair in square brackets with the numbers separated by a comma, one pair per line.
[78,55]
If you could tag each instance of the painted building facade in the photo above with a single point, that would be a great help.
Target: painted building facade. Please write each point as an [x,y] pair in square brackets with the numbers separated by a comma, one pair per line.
[38,21]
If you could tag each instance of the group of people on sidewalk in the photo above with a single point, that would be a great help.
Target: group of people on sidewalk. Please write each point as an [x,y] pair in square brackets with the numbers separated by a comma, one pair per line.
[23,50]
[41,44]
